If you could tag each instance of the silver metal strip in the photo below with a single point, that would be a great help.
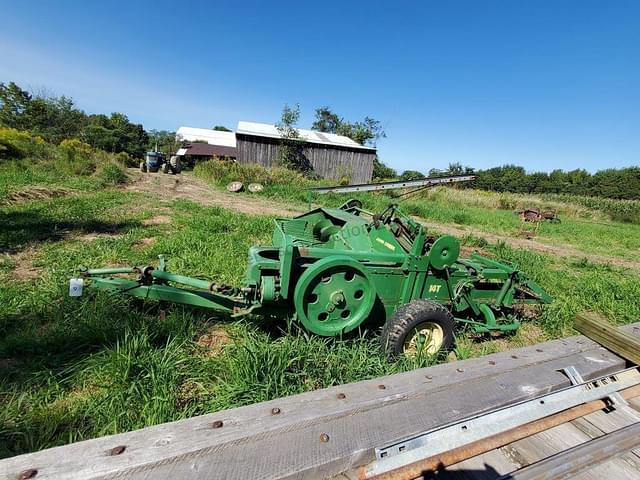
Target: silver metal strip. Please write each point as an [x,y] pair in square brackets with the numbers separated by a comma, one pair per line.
[485,425]
[366,187]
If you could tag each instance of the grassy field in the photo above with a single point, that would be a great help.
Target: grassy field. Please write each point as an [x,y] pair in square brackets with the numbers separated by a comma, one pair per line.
[591,230]
[73,369]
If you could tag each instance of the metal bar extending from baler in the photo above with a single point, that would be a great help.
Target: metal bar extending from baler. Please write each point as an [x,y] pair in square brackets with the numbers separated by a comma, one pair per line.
[151,285]
[108,271]
[190,281]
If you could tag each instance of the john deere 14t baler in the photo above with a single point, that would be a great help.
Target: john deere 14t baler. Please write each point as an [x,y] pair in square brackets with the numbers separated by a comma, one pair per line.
[333,269]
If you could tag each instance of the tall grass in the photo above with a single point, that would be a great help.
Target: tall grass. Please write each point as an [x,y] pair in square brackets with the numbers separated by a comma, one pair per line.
[29,161]
[72,369]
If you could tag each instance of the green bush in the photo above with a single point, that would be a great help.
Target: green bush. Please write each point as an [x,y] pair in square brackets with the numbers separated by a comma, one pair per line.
[18,144]
[223,172]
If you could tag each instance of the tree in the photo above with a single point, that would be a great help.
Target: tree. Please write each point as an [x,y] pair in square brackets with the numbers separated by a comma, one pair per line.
[55,118]
[165,140]
[221,128]
[367,132]
[326,121]
[13,105]
[115,134]
[291,151]
[381,171]
[411,175]
[455,169]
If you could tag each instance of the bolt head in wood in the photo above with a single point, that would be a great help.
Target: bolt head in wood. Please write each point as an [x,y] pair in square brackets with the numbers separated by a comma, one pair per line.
[324,438]
[117,450]
[27,474]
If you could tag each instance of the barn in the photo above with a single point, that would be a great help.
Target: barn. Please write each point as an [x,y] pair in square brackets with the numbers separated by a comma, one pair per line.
[331,156]
[206,142]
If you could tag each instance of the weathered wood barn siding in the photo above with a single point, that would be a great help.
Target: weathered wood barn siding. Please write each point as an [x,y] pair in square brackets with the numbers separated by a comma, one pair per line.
[328,161]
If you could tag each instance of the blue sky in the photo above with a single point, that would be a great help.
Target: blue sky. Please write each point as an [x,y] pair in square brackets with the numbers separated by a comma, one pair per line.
[543,84]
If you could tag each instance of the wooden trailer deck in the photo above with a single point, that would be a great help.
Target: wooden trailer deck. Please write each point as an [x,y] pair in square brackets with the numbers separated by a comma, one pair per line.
[508,460]
[340,432]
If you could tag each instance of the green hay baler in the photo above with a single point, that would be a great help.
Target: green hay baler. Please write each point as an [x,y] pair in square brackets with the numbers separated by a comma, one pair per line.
[333,269]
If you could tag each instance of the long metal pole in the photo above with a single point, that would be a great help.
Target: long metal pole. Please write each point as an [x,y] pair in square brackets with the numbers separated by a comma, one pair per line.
[581,457]
[367,187]
[485,445]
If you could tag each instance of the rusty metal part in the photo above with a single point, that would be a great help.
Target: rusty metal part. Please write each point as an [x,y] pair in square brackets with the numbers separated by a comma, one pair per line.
[485,445]
[27,474]
[119,450]
[581,457]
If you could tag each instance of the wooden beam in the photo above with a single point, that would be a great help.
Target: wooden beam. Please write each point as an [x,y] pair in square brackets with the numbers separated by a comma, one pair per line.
[598,329]
[322,433]
[581,457]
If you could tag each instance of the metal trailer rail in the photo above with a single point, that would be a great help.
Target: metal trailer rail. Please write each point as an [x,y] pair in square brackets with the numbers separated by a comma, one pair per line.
[336,431]
[368,187]
[400,455]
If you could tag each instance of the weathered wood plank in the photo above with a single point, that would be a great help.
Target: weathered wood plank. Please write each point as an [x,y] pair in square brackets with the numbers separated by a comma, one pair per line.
[587,458]
[255,443]
[600,330]
[327,161]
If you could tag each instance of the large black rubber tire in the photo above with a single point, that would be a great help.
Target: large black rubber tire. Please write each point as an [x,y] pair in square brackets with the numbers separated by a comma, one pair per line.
[407,317]
[143,167]
[176,165]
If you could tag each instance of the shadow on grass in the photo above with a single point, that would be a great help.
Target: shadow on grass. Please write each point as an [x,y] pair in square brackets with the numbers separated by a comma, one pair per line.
[54,337]
[19,228]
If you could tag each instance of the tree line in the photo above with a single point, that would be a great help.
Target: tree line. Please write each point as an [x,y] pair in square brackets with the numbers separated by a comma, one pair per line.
[57,118]
[619,184]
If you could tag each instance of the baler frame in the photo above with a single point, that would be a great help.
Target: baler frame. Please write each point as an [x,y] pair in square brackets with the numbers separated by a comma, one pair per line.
[332,269]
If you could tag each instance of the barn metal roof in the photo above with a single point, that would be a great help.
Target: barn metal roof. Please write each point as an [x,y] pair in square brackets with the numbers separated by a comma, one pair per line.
[213,137]
[207,150]
[311,136]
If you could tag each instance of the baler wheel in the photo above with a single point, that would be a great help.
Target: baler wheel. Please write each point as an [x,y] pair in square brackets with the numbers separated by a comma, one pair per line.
[334,296]
[143,167]
[420,327]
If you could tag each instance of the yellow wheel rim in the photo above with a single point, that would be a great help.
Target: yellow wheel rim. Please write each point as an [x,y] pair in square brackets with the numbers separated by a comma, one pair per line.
[426,337]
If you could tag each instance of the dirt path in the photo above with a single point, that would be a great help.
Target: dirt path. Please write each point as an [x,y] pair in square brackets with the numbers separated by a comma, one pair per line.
[188,187]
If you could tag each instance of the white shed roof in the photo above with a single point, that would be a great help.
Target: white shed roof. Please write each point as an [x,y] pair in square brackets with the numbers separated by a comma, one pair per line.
[311,136]
[213,137]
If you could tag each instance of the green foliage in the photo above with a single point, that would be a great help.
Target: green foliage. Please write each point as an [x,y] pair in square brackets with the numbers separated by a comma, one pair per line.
[627,211]
[33,162]
[221,128]
[115,133]
[57,119]
[291,151]
[165,140]
[18,144]
[368,131]
[411,175]
[623,184]
[381,170]
[79,368]
[223,172]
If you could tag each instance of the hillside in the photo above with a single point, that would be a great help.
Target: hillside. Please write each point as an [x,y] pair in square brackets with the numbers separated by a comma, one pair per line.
[67,366]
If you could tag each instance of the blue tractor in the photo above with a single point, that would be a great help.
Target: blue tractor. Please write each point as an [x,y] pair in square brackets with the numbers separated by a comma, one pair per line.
[155,161]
